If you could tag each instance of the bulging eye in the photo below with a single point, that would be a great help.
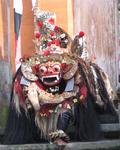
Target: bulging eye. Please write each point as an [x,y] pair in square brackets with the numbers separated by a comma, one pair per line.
[42,70]
[56,68]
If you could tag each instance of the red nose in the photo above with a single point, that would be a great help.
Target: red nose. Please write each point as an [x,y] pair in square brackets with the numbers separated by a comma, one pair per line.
[49,71]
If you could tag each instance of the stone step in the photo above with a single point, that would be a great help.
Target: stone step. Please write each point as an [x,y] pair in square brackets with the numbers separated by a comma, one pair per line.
[111,131]
[104,127]
[110,127]
[98,145]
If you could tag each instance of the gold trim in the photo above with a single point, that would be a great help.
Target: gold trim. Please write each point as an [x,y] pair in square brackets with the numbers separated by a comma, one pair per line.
[48,98]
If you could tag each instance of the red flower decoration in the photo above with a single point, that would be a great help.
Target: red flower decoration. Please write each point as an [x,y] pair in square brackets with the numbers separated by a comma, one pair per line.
[52,33]
[57,42]
[46,52]
[49,44]
[40,24]
[37,35]
[53,42]
[63,65]
[51,21]
[56,28]
[81,34]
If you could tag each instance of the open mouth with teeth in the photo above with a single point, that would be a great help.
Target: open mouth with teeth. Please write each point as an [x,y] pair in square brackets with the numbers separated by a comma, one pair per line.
[51,80]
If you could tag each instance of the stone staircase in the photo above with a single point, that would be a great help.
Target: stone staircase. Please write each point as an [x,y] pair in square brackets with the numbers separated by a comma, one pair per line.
[98,145]
[111,141]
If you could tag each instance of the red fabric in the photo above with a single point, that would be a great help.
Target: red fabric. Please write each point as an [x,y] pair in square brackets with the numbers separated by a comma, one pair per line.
[83,90]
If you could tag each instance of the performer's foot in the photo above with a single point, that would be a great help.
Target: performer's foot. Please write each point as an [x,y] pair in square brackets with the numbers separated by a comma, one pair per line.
[59,141]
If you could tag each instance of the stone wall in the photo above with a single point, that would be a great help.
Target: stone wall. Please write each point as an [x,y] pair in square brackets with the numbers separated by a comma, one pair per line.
[5,89]
[98,19]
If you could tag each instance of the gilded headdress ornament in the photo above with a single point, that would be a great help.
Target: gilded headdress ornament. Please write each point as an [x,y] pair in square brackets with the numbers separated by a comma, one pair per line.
[49,38]
[79,45]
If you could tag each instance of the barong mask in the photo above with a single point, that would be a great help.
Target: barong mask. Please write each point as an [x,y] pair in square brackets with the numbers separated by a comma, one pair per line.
[53,60]
[49,69]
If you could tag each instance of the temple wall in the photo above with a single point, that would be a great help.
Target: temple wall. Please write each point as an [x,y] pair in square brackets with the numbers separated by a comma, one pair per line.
[98,19]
